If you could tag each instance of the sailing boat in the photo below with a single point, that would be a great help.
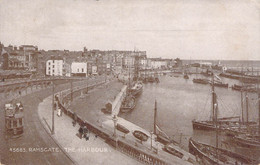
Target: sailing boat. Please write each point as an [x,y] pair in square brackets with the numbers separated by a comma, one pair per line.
[250,140]
[213,154]
[171,147]
[128,103]
[137,89]
[224,123]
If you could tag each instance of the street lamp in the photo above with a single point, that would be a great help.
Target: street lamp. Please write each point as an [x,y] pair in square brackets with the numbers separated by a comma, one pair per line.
[115,123]
[52,130]
[151,140]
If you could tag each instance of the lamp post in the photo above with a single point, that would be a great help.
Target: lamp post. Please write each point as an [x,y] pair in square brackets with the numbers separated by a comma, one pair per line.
[115,123]
[151,140]
[71,90]
[52,129]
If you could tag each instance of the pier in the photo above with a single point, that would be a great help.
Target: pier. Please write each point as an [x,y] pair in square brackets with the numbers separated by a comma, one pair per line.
[104,128]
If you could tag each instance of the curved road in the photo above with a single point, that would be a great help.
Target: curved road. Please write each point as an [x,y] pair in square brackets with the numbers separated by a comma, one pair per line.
[28,149]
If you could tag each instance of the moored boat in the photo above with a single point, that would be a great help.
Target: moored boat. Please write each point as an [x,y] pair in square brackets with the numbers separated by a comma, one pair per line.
[248,141]
[215,155]
[128,104]
[220,84]
[186,76]
[223,123]
[122,128]
[140,135]
[136,89]
[200,81]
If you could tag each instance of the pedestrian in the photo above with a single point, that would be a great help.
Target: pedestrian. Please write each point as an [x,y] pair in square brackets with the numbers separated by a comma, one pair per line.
[80,132]
[85,132]
[75,120]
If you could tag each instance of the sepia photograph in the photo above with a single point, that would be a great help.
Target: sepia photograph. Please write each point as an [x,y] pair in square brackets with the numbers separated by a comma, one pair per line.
[129,82]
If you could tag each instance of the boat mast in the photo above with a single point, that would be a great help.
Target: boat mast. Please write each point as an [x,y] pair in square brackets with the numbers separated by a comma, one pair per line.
[258,103]
[242,108]
[242,105]
[215,113]
[155,116]
[129,75]
[246,107]
[213,100]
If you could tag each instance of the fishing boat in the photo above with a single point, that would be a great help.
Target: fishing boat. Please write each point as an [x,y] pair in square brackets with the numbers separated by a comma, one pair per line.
[248,141]
[246,88]
[128,104]
[223,85]
[223,123]
[251,139]
[215,155]
[137,89]
[220,84]
[237,87]
[200,81]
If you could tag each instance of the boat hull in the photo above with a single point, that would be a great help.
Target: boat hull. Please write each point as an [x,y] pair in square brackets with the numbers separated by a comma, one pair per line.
[136,92]
[240,141]
[200,81]
[207,152]
[203,126]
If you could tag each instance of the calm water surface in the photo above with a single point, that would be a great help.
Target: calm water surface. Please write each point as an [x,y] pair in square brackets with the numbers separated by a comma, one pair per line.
[179,101]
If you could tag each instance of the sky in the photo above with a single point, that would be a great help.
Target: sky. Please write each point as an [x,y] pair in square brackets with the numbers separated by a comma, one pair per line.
[188,29]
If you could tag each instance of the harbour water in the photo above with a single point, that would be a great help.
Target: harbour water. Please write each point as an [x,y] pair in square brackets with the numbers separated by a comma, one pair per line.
[229,63]
[179,101]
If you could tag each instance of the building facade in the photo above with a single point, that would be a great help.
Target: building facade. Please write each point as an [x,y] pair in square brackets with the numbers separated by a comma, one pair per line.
[54,67]
[79,69]
[24,58]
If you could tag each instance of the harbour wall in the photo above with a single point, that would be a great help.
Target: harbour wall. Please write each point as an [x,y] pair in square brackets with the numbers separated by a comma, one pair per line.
[118,144]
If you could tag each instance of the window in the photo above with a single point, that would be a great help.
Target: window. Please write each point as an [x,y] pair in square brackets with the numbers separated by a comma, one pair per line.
[49,68]
[78,70]
[49,63]
[82,70]
[8,123]
[14,123]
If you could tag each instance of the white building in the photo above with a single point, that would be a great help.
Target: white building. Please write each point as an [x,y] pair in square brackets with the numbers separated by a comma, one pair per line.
[79,69]
[129,61]
[54,67]
[94,70]
[158,64]
[145,63]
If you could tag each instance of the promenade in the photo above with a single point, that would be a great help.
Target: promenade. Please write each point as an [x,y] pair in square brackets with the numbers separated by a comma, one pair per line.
[89,108]
[18,151]
[93,151]
[35,146]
